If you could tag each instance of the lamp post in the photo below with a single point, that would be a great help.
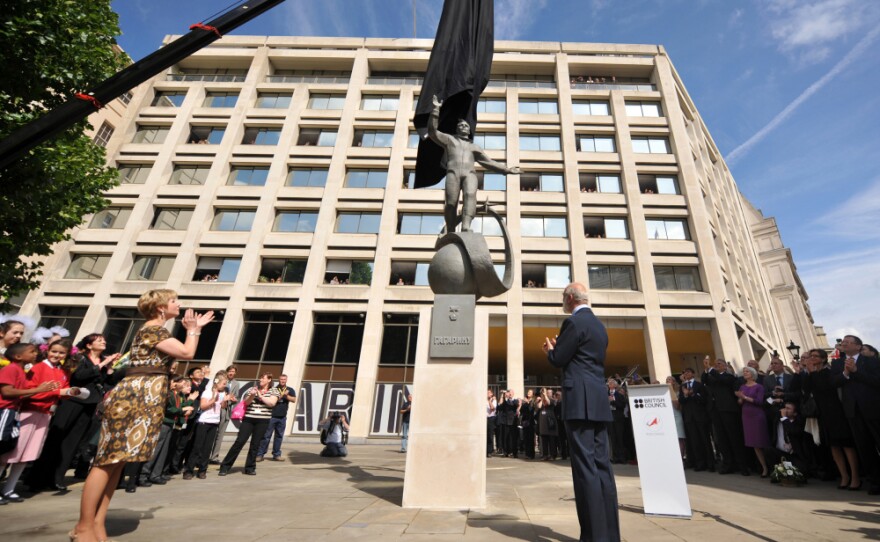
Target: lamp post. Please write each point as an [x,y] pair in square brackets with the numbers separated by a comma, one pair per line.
[794,350]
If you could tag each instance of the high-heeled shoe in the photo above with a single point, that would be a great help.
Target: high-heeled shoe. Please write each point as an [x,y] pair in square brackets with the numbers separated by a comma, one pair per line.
[857,488]
[843,486]
[765,474]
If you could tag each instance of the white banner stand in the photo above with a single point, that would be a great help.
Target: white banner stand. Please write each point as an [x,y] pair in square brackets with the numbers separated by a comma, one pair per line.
[664,489]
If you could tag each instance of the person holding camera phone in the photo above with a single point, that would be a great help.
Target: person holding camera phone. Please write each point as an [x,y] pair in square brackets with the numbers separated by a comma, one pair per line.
[213,401]
[333,436]
[259,400]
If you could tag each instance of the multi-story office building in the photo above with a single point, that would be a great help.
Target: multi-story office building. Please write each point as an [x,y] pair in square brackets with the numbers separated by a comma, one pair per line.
[269,179]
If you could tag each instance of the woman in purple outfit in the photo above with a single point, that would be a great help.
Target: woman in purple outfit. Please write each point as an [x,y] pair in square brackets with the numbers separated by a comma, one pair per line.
[751,395]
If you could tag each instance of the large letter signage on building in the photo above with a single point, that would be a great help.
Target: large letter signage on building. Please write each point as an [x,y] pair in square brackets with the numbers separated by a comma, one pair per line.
[317,400]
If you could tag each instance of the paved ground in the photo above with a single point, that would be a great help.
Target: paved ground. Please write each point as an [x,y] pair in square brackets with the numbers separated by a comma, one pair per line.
[358,498]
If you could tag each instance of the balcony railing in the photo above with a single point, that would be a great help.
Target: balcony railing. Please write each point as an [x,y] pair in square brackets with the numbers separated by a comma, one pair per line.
[643,87]
[206,78]
[501,83]
[317,79]
[385,80]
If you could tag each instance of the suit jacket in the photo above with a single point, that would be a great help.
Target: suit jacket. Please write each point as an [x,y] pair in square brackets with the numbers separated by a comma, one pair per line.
[861,391]
[580,353]
[721,391]
[694,408]
[618,406]
[770,384]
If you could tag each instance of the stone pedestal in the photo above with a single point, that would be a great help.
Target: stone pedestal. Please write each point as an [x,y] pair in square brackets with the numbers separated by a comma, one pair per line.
[446,458]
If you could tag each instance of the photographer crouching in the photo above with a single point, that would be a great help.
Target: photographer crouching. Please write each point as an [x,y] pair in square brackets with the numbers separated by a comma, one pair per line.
[334,435]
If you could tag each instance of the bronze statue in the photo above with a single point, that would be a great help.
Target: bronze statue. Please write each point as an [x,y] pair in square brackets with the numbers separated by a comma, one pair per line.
[459,157]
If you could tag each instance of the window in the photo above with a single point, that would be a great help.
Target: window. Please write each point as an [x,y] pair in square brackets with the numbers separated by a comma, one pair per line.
[412,141]
[170,218]
[357,223]
[265,339]
[274,100]
[189,174]
[658,184]
[337,338]
[605,184]
[150,134]
[168,98]
[261,136]
[595,143]
[409,273]
[590,107]
[87,266]
[543,227]
[605,228]
[678,278]
[221,99]
[307,177]
[122,325]
[348,272]
[399,339]
[484,224]
[125,98]
[612,277]
[538,107]
[233,220]
[151,268]
[326,101]
[102,137]
[282,270]
[295,221]
[317,136]
[372,138]
[541,182]
[643,109]
[377,102]
[205,135]
[539,142]
[70,318]
[650,145]
[491,141]
[366,178]
[667,229]
[545,276]
[419,224]
[490,181]
[111,218]
[214,269]
[134,173]
[248,176]
[441,184]
[492,105]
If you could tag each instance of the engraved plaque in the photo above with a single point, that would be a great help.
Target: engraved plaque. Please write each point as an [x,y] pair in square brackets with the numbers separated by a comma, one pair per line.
[452,326]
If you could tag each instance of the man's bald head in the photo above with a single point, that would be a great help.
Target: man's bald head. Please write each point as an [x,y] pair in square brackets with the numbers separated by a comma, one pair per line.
[574,294]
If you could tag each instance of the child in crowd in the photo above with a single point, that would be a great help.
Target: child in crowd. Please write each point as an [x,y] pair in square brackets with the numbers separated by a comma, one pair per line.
[13,388]
[36,413]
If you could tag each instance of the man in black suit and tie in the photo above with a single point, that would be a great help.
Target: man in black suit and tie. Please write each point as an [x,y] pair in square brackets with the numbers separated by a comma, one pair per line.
[726,416]
[858,376]
[693,398]
[579,350]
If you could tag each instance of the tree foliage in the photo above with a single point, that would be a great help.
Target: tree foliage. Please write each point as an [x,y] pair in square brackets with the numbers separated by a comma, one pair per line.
[53,49]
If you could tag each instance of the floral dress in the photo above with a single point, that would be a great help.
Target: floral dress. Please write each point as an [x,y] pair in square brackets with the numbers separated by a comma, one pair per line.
[134,409]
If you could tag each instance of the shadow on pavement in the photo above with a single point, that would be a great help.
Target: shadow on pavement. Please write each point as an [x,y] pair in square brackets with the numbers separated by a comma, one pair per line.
[121,521]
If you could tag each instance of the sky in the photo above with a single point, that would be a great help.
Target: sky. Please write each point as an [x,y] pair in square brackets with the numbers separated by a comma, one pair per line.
[787,88]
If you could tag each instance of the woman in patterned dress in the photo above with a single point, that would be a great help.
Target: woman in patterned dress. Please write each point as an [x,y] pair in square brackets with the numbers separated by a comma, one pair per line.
[134,409]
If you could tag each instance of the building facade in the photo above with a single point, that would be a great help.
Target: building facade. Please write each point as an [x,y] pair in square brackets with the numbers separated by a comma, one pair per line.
[269,179]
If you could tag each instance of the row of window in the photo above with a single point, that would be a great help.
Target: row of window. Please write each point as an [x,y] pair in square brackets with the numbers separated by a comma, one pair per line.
[178,218]
[323,137]
[378,178]
[391,102]
[403,273]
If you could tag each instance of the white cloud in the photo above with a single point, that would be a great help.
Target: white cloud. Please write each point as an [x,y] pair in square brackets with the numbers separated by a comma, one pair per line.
[845,293]
[807,24]
[514,17]
[857,217]
[838,68]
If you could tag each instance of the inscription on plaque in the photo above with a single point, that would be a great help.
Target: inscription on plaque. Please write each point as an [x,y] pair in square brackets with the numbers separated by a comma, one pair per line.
[452,326]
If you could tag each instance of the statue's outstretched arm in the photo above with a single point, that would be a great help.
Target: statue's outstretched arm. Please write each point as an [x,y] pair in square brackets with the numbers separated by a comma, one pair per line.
[483,159]
[438,137]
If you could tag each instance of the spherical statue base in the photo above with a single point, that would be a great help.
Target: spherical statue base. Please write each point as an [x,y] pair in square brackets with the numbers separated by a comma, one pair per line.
[451,271]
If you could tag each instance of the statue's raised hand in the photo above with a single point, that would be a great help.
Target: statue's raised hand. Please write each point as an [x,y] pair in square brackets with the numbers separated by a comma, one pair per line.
[515,170]
[437,101]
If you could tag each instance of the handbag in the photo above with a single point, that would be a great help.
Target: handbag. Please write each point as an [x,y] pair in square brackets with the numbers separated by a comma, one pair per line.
[238,411]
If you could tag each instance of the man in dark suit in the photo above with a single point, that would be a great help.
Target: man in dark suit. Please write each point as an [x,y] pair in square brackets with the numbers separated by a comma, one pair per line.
[858,376]
[778,387]
[579,350]
[693,398]
[726,415]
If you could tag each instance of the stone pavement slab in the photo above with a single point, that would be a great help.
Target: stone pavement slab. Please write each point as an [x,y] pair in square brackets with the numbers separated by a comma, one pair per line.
[310,498]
